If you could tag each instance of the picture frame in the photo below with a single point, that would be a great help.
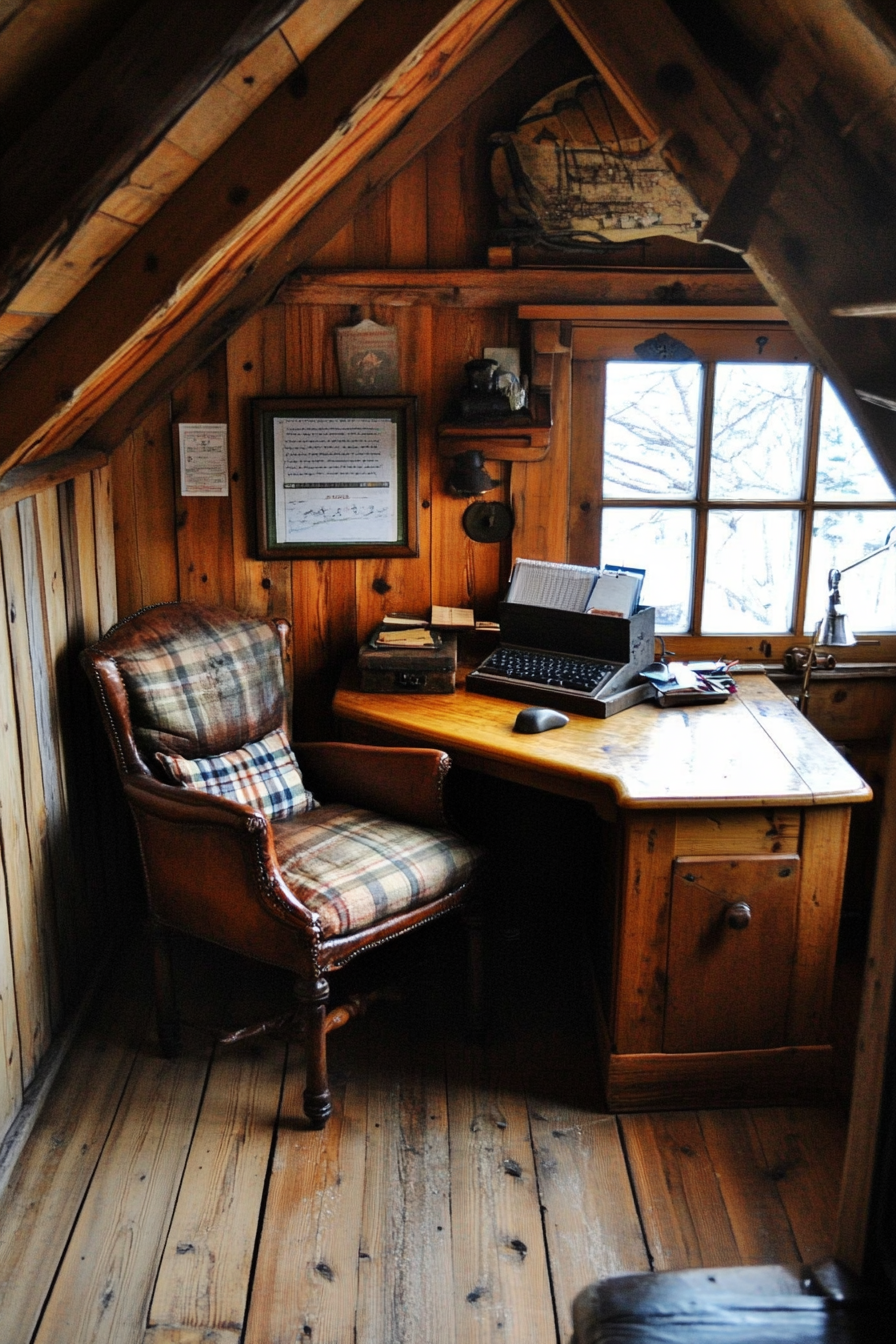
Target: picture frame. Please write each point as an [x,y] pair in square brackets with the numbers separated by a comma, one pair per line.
[335,477]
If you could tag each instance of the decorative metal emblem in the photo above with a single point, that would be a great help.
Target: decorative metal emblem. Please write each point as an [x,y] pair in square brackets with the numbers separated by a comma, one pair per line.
[488,521]
[664,346]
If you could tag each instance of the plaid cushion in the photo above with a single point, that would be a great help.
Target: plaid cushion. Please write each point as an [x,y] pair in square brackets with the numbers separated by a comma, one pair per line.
[206,685]
[263,774]
[355,868]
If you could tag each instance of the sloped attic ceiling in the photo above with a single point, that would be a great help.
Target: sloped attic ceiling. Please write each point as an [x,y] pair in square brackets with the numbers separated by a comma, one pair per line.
[262,126]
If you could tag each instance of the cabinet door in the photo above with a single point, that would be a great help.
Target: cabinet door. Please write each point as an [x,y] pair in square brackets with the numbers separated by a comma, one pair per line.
[732,942]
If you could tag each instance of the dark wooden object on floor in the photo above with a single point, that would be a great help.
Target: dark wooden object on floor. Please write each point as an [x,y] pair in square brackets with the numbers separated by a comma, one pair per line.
[818,1305]
[211,865]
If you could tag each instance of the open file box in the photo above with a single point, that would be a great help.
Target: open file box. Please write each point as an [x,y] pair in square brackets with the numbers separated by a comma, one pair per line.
[626,643]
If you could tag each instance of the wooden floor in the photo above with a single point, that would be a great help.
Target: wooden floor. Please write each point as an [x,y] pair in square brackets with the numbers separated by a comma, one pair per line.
[459,1193]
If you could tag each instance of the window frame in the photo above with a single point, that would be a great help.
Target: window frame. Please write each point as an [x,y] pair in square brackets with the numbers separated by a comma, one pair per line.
[592,344]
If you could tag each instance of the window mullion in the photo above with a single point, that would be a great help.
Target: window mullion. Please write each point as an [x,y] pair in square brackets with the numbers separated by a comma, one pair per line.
[700,519]
[587,461]
[813,430]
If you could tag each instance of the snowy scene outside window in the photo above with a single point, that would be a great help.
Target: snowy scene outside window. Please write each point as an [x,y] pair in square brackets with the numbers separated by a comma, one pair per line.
[737,486]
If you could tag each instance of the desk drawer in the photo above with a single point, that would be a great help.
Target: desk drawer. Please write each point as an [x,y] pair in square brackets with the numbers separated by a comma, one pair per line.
[732,946]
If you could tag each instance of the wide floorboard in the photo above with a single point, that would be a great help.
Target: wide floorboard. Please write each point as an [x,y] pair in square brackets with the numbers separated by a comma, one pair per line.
[460,1192]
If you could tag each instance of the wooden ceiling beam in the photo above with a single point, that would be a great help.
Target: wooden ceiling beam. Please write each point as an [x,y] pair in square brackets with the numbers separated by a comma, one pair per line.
[659,289]
[774,161]
[67,161]
[33,477]
[658,73]
[355,91]
[517,35]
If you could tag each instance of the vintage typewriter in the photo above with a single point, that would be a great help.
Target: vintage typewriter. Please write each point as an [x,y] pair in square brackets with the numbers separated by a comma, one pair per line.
[568,660]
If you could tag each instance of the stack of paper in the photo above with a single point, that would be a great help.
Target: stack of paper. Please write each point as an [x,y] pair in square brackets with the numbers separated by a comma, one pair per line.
[613,590]
[453,617]
[417,638]
[541,583]
[398,618]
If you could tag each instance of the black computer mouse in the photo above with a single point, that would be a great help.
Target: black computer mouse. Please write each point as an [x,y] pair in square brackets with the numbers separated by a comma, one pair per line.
[537,720]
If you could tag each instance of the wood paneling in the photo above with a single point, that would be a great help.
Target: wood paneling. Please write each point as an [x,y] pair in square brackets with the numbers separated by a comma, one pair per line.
[61,861]
[170,548]
[256,364]
[143,501]
[204,524]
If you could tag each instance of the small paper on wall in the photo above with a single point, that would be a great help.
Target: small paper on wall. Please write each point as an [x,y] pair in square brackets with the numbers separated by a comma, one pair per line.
[203,460]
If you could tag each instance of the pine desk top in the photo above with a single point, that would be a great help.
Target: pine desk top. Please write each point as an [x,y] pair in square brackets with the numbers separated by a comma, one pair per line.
[757,750]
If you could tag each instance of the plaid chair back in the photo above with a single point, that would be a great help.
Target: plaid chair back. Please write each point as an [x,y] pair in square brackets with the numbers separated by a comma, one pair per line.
[200,680]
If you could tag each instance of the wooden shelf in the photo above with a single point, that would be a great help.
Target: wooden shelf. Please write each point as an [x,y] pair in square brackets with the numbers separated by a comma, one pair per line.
[524,436]
[484,288]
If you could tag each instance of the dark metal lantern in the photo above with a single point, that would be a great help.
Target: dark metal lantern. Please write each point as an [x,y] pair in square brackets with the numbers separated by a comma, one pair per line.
[468,475]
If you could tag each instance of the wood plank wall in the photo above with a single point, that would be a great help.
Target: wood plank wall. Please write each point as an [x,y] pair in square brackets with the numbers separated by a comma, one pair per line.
[437,212]
[62,847]
[171,548]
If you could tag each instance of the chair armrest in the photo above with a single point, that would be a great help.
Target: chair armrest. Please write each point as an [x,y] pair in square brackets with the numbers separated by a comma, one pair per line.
[403,782]
[173,802]
[163,810]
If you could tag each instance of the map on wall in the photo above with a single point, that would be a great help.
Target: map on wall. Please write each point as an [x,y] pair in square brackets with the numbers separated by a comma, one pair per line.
[576,172]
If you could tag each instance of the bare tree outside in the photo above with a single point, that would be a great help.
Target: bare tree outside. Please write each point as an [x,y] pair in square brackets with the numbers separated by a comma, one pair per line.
[758,452]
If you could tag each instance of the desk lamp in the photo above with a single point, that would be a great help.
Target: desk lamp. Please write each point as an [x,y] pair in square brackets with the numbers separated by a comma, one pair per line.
[833,630]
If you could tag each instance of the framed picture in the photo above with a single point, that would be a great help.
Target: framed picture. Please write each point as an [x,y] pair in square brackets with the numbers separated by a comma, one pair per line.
[335,476]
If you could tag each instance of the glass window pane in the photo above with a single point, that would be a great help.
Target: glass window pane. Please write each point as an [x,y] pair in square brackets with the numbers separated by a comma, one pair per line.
[759,431]
[660,541]
[750,571]
[868,595]
[651,429]
[846,469]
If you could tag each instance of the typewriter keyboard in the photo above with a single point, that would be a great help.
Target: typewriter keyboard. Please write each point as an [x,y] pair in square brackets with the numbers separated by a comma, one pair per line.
[565,670]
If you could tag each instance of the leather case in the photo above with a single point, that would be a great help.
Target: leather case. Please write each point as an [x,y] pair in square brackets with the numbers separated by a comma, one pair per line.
[408,671]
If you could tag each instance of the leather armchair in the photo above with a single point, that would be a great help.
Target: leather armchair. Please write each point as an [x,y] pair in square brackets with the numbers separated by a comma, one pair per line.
[200,681]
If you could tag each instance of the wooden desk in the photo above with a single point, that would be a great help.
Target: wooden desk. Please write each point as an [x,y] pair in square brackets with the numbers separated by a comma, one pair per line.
[713,806]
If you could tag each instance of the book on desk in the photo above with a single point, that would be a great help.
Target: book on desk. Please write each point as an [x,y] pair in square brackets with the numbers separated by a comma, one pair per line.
[558,650]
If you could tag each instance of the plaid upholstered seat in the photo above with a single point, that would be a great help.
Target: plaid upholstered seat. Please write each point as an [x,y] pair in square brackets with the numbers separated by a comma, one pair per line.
[212,687]
[354,868]
[195,696]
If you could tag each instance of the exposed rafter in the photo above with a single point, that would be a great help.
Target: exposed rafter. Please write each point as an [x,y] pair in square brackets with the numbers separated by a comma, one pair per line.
[87,140]
[357,90]
[773,157]
[528,23]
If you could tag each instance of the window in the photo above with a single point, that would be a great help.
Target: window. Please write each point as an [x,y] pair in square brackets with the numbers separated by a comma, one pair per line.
[737,481]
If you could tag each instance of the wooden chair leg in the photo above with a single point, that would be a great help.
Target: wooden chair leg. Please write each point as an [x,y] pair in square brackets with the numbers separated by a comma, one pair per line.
[316,1099]
[167,1020]
[474,923]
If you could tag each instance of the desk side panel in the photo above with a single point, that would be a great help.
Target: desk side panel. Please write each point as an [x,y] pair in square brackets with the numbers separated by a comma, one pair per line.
[824,844]
[643,932]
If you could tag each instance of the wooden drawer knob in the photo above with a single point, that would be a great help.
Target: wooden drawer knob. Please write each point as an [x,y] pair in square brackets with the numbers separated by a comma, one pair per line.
[739,915]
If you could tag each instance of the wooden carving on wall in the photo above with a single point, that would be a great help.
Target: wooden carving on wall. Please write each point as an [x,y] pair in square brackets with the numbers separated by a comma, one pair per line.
[576,172]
